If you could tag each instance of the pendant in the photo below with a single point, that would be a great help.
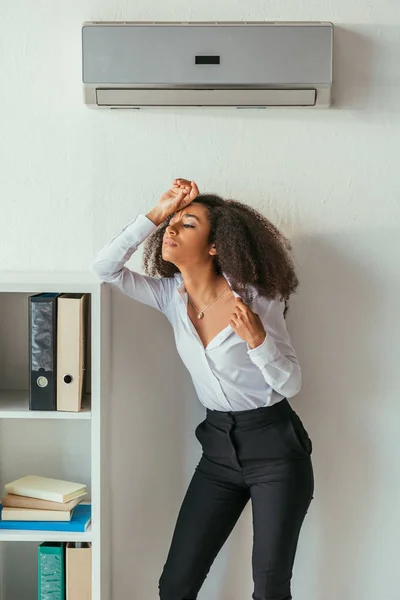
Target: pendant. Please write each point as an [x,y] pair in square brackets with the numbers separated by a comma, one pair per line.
[200,315]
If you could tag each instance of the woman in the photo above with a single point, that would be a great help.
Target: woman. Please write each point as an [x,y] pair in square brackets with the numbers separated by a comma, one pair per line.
[222,273]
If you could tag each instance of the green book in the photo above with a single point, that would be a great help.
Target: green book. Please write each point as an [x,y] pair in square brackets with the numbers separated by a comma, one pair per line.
[51,571]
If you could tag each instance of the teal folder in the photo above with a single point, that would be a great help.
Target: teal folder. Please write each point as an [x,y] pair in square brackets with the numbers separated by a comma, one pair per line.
[51,571]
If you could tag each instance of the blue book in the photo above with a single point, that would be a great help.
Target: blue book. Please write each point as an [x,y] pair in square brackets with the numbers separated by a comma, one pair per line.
[79,522]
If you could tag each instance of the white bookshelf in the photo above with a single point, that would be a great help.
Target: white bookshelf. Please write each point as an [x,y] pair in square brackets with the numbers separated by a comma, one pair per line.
[72,446]
[14,404]
[42,536]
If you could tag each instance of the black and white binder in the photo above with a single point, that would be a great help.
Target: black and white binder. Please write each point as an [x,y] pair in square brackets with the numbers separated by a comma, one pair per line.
[43,351]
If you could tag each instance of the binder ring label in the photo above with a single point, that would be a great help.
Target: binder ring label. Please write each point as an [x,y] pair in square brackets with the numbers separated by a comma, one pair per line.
[42,381]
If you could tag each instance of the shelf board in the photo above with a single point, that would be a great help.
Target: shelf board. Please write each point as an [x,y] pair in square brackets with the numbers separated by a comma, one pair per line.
[20,535]
[14,404]
[50,281]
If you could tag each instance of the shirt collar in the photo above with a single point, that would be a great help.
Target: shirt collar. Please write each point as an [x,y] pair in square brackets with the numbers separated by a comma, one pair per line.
[181,285]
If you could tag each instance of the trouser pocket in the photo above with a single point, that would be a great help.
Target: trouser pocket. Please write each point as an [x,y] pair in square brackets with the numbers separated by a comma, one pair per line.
[301,434]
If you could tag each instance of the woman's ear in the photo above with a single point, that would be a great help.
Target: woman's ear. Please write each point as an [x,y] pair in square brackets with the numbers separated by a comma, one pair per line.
[213,250]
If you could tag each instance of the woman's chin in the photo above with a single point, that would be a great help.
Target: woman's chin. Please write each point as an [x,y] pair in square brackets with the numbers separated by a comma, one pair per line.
[168,250]
[167,256]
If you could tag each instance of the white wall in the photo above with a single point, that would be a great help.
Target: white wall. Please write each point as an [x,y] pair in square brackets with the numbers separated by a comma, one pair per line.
[71,178]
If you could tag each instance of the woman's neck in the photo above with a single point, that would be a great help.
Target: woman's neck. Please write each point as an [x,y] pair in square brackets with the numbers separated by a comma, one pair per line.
[203,285]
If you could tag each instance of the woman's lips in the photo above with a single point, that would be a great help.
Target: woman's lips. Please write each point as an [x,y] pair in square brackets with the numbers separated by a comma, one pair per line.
[169,243]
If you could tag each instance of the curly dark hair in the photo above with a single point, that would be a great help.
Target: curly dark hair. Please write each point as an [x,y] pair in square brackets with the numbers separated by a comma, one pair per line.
[252,252]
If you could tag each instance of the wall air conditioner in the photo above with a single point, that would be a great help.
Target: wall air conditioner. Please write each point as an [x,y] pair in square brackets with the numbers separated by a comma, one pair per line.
[240,65]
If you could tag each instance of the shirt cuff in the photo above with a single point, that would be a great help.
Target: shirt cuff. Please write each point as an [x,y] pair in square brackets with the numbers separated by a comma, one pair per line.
[264,353]
[141,226]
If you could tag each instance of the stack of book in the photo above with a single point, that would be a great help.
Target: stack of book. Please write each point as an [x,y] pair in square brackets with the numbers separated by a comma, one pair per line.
[34,502]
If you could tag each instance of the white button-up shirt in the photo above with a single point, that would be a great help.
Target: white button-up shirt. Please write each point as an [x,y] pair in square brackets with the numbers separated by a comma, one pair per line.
[227,375]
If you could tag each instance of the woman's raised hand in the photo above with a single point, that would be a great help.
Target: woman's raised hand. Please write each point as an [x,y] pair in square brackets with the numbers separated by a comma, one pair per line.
[182,193]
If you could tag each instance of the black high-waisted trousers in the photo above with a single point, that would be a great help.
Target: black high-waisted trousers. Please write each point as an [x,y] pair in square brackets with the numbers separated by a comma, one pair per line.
[263,455]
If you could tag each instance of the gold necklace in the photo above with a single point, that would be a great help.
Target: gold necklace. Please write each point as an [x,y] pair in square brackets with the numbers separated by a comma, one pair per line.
[201,312]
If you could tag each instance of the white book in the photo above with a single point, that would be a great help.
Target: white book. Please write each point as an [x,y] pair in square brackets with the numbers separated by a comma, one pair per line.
[45,488]
[31,514]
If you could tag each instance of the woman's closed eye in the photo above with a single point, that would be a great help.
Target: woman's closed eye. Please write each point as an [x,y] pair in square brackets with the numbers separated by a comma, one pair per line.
[187,225]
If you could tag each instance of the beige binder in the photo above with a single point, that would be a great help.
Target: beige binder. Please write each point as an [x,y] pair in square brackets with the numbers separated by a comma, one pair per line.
[78,571]
[71,350]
